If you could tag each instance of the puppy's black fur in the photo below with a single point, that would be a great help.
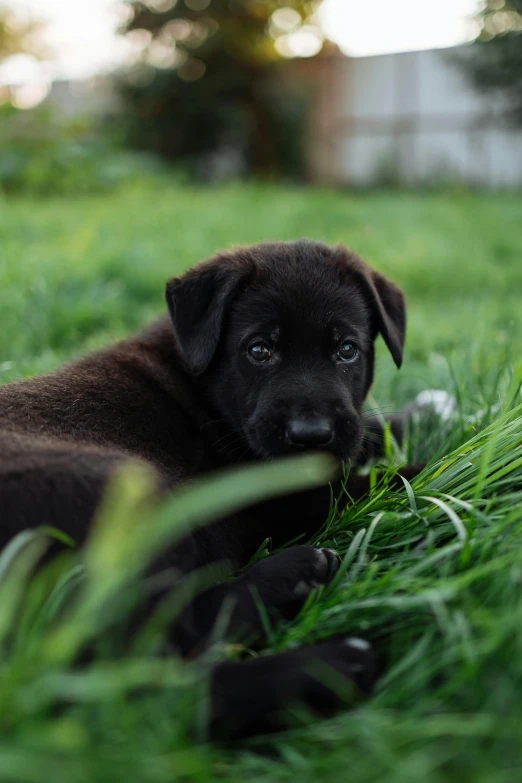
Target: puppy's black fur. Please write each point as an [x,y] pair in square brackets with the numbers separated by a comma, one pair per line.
[268,350]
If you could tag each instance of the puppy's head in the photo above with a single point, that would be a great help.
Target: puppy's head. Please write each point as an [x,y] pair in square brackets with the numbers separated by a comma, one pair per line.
[282,338]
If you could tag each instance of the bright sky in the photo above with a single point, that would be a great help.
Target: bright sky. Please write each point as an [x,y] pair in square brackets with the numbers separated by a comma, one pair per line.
[82,38]
[362,27]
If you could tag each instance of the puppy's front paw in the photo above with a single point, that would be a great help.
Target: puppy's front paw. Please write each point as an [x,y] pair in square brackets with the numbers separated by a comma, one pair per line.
[284,581]
[275,692]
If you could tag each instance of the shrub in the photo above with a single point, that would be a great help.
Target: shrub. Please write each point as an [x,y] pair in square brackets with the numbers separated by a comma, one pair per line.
[44,154]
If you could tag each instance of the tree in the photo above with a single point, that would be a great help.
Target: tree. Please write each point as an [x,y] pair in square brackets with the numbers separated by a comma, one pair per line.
[17,36]
[495,60]
[205,79]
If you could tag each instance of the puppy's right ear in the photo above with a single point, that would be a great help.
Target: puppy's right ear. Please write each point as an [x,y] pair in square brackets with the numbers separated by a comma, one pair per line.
[198,303]
[385,299]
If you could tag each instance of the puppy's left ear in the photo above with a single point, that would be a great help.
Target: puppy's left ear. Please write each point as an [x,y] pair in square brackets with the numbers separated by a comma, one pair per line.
[389,308]
[386,301]
[198,303]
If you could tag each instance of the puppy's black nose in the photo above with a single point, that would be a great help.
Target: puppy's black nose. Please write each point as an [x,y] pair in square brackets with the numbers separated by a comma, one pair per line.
[309,432]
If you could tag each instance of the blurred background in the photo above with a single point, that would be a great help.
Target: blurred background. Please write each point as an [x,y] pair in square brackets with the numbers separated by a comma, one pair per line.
[137,138]
[341,92]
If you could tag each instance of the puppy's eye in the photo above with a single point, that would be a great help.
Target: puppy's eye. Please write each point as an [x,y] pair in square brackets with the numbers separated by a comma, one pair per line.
[259,351]
[347,353]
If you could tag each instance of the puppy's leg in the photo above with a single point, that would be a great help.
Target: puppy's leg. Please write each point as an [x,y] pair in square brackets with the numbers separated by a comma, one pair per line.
[52,483]
[267,694]
[301,515]
[373,445]
[276,586]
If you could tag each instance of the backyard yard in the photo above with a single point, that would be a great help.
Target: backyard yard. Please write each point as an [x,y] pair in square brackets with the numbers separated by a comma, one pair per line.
[435,570]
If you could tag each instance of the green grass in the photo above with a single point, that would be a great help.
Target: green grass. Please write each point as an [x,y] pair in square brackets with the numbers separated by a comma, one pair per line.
[438,565]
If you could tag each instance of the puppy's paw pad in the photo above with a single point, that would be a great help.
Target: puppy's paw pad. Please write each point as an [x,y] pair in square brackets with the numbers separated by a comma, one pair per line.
[329,563]
[312,565]
[303,589]
[285,580]
[323,570]
[358,659]
[357,644]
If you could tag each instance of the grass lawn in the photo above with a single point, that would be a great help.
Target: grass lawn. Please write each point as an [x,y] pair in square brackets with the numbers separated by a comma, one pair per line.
[439,566]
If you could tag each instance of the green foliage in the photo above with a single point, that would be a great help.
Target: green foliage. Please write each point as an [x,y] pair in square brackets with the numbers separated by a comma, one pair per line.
[43,154]
[434,571]
[495,61]
[207,86]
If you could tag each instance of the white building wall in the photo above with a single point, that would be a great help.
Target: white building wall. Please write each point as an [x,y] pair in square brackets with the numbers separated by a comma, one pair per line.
[410,116]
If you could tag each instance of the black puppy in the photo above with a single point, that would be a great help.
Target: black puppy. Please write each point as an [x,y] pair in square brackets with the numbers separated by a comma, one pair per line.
[268,350]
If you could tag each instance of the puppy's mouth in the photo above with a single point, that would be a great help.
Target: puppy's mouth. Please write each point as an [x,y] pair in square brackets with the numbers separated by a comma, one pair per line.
[270,439]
